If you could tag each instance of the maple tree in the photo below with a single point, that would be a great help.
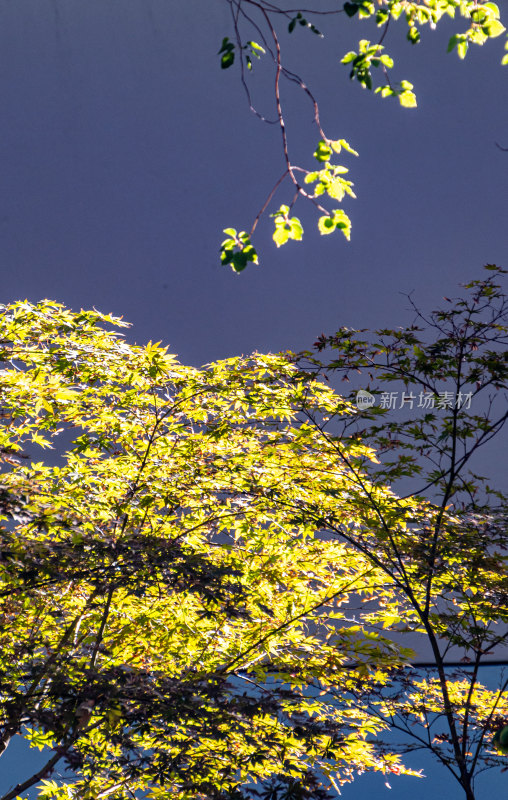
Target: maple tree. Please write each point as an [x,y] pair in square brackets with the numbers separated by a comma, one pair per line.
[206,591]
[259,30]
[172,623]
[448,572]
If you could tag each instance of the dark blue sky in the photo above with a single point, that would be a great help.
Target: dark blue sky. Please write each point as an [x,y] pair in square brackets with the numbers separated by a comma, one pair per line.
[125,150]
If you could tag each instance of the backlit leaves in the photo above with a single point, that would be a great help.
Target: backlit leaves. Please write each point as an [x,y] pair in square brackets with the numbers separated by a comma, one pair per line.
[369,62]
[449,558]
[237,250]
[368,56]
[286,227]
[337,220]
[163,585]
[227,53]
[196,589]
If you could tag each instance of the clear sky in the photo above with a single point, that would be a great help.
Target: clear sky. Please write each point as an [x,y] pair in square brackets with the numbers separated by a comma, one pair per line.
[125,151]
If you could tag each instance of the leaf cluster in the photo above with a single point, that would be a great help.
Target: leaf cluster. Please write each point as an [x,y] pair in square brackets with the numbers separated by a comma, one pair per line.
[209,594]
[481,23]
[170,615]
[448,558]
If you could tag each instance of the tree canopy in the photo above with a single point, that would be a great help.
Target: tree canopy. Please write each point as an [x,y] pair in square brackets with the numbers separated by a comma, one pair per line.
[450,369]
[172,622]
[207,575]
[259,31]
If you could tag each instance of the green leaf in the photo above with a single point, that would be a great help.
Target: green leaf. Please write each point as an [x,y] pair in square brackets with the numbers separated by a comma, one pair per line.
[323,151]
[407,99]
[493,8]
[226,45]
[316,31]
[413,35]
[350,56]
[479,16]
[326,225]
[452,43]
[227,59]
[462,48]
[345,145]
[351,9]
[281,234]
[228,53]
[237,250]
[257,47]
[493,28]
[366,9]
[386,91]
[296,229]
[338,219]
[286,227]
